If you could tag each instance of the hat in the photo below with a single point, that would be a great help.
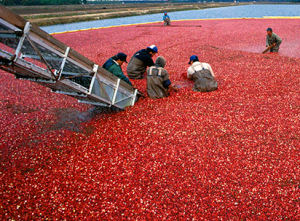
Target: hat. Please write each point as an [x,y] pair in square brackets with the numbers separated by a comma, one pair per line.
[122,56]
[153,48]
[160,61]
[270,29]
[193,58]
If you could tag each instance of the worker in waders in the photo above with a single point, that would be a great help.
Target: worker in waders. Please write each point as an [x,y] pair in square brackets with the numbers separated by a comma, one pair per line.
[139,62]
[273,41]
[158,82]
[202,74]
[114,64]
[166,19]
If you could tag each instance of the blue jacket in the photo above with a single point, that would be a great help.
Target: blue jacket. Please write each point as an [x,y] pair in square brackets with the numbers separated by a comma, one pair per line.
[145,57]
[165,17]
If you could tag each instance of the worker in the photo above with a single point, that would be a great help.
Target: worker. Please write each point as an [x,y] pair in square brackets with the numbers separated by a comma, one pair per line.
[202,74]
[272,40]
[158,82]
[139,62]
[114,64]
[166,19]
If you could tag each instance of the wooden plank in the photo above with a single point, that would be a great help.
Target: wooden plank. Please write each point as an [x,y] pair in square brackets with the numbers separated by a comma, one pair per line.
[12,18]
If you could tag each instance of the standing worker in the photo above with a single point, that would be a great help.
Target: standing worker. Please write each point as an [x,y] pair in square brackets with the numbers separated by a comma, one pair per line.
[114,64]
[202,75]
[166,19]
[139,62]
[273,41]
[158,82]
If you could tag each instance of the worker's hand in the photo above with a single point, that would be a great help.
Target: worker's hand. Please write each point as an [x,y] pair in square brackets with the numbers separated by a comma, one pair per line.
[175,88]
[274,44]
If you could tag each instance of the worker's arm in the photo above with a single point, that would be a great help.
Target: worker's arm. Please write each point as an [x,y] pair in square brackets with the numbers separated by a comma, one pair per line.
[146,58]
[267,42]
[210,69]
[278,40]
[148,61]
[117,71]
[167,82]
[190,73]
[165,76]
[124,78]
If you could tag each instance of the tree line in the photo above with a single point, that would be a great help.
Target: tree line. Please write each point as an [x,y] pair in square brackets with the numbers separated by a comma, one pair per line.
[42,2]
[72,2]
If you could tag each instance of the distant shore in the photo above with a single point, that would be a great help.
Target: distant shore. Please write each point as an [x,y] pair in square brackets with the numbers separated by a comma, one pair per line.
[62,14]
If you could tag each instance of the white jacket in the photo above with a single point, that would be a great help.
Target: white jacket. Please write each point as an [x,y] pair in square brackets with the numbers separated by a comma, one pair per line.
[198,66]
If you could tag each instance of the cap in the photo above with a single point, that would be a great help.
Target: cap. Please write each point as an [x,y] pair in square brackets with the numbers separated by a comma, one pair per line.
[193,58]
[122,56]
[270,29]
[153,48]
[160,61]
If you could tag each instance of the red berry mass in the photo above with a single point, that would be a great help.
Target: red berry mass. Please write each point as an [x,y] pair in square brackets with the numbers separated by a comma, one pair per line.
[229,154]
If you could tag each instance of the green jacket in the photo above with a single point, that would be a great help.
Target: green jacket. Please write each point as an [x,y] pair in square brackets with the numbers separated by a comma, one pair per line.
[273,39]
[114,68]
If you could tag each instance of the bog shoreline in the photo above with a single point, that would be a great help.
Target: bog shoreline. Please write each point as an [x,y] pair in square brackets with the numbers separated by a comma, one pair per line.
[51,15]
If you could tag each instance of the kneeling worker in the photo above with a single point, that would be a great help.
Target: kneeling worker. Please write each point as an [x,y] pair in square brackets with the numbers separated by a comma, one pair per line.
[158,82]
[273,41]
[140,61]
[113,65]
[166,19]
[202,75]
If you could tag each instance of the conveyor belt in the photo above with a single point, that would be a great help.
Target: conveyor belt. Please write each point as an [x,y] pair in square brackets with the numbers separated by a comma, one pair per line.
[32,54]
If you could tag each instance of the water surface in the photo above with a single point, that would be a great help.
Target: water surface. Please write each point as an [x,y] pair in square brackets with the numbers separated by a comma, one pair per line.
[243,11]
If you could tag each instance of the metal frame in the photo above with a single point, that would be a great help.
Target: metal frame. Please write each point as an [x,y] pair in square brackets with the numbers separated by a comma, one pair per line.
[21,41]
[41,57]
[9,26]
[63,61]
[115,92]
[134,97]
[103,89]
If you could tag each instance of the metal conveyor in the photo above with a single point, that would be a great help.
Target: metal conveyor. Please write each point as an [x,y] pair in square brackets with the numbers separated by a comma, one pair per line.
[32,54]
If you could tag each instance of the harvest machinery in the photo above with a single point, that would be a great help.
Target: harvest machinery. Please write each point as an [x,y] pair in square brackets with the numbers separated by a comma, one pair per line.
[32,54]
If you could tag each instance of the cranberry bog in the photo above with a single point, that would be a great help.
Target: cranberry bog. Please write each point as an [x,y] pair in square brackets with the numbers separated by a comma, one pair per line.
[229,154]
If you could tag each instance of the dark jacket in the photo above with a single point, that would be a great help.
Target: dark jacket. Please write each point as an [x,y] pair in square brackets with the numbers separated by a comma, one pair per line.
[115,69]
[138,64]
[273,39]
[158,80]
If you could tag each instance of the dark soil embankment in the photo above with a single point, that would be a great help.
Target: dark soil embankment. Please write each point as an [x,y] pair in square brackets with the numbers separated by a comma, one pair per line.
[50,15]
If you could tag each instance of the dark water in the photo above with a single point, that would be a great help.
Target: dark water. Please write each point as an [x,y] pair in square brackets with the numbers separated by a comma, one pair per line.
[72,119]
[245,11]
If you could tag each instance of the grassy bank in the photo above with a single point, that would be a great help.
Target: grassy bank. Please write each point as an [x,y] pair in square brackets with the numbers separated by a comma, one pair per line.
[50,15]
